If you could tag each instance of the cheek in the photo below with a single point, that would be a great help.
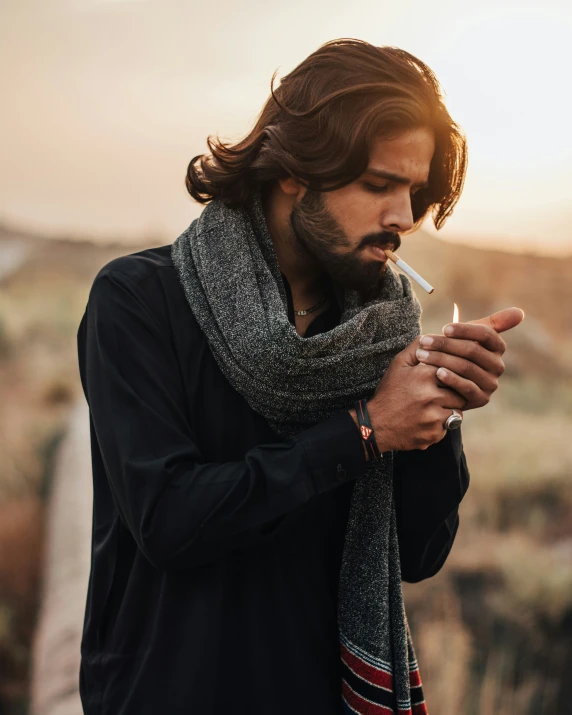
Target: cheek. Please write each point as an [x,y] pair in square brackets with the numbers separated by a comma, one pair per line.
[358,215]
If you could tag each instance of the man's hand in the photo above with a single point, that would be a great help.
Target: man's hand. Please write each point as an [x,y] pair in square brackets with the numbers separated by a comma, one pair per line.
[469,357]
[409,408]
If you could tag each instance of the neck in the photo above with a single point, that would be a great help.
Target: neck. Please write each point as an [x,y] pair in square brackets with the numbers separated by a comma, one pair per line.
[306,279]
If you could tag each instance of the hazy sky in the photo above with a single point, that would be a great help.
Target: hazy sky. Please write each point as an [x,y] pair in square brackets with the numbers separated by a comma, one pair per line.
[104,102]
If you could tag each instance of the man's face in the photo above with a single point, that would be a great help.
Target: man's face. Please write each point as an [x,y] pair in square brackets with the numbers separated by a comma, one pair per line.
[339,229]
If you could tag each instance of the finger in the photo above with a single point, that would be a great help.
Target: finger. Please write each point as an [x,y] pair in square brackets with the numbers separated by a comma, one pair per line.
[408,356]
[446,395]
[483,334]
[485,379]
[502,320]
[449,398]
[466,388]
[432,434]
[463,403]
[470,350]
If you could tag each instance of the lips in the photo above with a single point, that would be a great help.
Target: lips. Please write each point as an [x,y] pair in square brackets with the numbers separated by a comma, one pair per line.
[378,253]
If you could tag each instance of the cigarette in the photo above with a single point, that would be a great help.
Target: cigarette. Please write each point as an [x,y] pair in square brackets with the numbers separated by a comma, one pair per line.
[410,272]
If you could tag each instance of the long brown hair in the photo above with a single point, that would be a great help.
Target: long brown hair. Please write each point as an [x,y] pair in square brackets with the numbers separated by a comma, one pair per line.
[319,124]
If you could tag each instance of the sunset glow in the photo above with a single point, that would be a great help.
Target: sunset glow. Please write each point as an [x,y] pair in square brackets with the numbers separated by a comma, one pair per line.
[106,101]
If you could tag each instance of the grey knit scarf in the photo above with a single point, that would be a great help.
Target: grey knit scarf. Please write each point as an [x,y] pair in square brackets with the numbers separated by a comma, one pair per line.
[230,274]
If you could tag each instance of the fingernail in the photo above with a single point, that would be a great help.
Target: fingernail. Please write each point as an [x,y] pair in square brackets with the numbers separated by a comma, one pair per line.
[448,330]
[441,372]
[422,354]
[426,341]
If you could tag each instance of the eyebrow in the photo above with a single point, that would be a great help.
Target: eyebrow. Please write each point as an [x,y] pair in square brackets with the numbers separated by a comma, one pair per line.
[394,177]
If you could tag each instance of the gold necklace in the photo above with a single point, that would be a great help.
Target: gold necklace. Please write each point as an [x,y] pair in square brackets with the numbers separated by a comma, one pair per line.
[313,308]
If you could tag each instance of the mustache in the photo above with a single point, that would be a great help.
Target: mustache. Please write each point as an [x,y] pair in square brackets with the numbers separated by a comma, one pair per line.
[386,240]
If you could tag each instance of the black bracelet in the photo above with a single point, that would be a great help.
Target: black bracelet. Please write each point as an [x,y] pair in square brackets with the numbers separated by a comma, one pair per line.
[366,430]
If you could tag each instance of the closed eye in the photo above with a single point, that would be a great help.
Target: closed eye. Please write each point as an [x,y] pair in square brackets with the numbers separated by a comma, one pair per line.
[381,189]
[376,189]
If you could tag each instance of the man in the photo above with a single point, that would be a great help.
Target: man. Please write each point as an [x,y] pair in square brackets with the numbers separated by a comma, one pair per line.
[248,525]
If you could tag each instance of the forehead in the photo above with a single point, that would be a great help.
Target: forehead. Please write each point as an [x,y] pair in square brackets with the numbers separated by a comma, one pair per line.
[409,154]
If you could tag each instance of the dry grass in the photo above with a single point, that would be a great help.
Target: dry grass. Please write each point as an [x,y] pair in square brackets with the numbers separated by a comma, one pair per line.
[38,383]
[512,448]
[21,548]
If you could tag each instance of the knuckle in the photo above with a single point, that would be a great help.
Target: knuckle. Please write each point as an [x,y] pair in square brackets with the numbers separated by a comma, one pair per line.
[466,369]
[471,388]
[473,349]
[427,397]
[428,422]
[436,417]
[491,336]
[433,427]
[425,420]
[474,395]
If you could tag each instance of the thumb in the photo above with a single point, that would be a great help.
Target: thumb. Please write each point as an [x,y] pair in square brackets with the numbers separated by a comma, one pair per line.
[502,320]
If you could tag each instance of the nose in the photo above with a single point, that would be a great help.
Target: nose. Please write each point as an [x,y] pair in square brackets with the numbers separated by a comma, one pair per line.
[398,215]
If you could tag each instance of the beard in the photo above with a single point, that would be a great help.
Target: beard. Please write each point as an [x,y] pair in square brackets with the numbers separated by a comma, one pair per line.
[317,234]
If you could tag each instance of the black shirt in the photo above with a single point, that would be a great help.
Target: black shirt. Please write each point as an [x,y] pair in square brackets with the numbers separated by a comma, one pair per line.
[216,545]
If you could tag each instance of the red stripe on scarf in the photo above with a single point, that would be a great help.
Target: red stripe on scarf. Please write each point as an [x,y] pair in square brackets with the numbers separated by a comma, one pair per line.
[414,678]
[368,672]
[362,706]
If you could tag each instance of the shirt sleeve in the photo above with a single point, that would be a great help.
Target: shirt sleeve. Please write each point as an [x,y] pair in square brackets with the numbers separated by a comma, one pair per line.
[429,485]
[181,510]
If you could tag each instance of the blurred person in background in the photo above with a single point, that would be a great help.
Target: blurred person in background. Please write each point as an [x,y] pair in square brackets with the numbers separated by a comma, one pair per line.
[272,453]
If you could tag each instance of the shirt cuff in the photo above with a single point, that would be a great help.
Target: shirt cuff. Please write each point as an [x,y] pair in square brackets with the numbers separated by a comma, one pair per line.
[334,451]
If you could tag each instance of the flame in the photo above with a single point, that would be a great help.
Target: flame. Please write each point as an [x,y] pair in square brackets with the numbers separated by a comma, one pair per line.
[456,313]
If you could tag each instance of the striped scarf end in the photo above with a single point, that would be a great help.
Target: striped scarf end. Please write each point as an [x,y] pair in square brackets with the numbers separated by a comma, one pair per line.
[368,688]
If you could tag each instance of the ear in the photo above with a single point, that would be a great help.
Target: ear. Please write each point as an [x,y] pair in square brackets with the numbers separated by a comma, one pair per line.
[502,320]
[292,187]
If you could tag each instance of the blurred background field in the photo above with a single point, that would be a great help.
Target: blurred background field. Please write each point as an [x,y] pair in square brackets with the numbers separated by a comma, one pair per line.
[494,628]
